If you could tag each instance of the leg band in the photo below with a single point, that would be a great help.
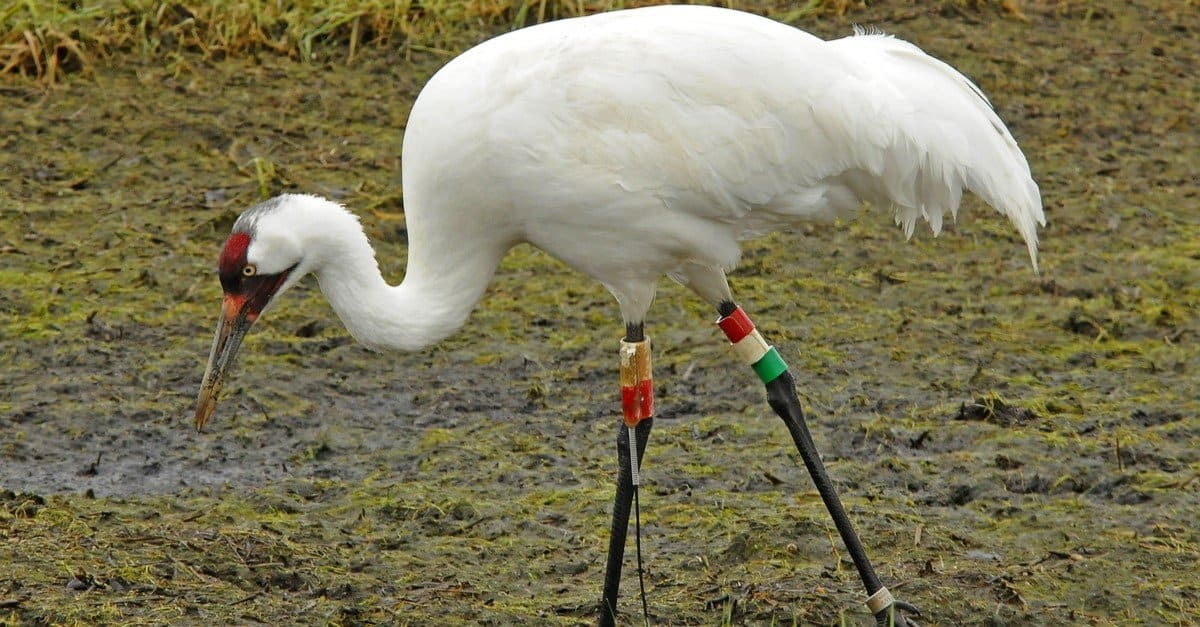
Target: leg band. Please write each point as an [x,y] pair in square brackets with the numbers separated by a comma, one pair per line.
[880,601]
[750,347]
[637,386]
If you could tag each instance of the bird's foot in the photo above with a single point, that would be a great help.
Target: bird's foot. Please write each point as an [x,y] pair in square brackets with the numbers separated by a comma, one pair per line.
[891,615]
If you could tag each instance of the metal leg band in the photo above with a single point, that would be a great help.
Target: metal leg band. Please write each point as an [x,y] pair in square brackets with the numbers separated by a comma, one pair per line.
[880,601]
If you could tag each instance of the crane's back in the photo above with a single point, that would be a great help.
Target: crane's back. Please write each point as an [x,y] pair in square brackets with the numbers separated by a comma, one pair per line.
[693,127]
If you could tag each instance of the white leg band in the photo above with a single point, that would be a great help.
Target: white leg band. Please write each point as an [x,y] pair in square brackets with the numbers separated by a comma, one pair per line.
[751,348]
[880,600]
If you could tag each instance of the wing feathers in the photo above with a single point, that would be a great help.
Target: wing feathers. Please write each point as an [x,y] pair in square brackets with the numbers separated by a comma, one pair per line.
[704,126]
[947,137]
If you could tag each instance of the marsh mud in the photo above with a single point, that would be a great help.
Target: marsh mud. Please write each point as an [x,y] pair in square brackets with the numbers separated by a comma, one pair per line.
[1015,448]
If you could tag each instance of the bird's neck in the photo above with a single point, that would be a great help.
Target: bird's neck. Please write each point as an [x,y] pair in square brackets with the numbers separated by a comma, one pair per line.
[443,282]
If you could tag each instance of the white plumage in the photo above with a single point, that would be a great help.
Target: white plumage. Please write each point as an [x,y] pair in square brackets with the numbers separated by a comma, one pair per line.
[650,141]
[640,143]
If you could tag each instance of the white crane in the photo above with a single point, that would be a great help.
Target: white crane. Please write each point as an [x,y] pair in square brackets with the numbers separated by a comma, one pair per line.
[631,145]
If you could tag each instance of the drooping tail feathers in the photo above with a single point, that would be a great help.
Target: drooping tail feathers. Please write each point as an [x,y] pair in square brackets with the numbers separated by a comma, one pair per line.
[946,138]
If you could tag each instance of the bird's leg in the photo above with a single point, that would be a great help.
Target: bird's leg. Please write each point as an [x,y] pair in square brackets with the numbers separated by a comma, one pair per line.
[751,348]
[637,407]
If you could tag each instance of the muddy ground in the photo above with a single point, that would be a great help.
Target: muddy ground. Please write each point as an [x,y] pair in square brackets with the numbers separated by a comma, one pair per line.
[1014,448]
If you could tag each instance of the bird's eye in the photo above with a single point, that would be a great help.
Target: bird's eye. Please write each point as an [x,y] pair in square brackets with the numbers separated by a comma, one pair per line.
[249,270]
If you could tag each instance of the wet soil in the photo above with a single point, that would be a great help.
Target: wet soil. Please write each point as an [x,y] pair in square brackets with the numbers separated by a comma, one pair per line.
[1015,448]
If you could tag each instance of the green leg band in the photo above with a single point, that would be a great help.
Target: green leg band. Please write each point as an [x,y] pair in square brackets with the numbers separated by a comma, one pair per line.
[770,366]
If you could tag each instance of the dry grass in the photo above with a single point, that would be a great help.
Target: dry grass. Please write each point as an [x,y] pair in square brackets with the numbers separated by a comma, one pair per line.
[48,40]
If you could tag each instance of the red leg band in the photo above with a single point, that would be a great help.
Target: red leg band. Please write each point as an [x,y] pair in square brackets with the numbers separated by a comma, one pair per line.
[637,388]
[645,399]
[629,404]
[736,325]
[637,401]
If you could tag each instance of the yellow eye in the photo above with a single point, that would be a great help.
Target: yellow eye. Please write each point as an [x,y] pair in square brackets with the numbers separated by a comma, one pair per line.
[249,270]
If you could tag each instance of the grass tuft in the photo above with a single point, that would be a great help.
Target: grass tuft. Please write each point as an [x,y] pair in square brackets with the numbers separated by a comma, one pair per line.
[49,40]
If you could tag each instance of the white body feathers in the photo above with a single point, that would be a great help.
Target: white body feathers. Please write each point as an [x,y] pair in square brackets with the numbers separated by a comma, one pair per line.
[647,142]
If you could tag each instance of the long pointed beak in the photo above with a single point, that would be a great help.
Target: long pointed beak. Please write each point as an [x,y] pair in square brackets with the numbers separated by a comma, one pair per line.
[236,319]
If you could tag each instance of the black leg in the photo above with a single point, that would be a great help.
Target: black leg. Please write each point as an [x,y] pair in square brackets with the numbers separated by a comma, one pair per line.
[781,394]
[620,519]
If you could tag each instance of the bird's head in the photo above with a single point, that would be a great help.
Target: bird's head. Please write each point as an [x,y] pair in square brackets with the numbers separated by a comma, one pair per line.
[261,259]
